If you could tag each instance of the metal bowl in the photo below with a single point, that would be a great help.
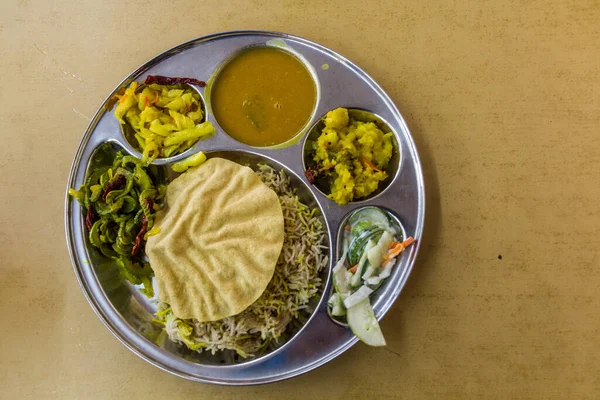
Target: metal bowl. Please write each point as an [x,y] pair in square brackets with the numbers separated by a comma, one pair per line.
[382,292]
[138,311]
[313,73]
[129,144]
[392,170]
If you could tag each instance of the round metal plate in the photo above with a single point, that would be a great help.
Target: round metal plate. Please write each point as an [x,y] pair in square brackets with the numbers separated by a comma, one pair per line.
[126,313]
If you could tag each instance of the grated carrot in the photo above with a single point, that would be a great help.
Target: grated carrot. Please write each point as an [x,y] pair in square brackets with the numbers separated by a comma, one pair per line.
[370,164]
[396,248]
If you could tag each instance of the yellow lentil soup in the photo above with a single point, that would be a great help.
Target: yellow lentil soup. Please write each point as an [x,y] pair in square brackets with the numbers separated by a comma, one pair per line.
[263,97]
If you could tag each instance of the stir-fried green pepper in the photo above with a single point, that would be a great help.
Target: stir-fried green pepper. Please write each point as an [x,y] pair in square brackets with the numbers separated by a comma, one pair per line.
[119,203]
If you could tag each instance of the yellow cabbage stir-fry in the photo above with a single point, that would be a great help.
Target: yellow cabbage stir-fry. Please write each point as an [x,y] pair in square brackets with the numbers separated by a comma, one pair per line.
[163,120]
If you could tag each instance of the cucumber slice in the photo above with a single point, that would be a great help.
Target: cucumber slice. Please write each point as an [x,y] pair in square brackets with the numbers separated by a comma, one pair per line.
[359,227]
[357,246]
[336,303]
[341,280]
[387,269]
[333,299]
[373,214]
[375,281]
[340,263]
[363,265]
[340,318]
[362,321]
[377,253]
[355,280]
[363,293]
[346,244]
[363,232]
[338,310]
[369,272]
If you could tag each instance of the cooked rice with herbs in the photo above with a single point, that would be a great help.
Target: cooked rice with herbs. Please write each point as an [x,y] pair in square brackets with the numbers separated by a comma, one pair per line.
[285,300]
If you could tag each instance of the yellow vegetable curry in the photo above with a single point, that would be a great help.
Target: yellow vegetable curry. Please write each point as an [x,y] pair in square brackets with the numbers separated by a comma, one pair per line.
[263,97]
[352,154]
[161,120]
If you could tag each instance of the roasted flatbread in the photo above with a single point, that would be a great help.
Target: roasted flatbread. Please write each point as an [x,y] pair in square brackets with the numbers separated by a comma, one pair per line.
[221,233]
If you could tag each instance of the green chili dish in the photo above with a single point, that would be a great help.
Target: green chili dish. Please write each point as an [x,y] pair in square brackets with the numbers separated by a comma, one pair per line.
[119,203]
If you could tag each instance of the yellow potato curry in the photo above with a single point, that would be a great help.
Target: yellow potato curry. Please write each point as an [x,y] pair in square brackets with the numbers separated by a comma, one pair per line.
[263,97]
[352,154]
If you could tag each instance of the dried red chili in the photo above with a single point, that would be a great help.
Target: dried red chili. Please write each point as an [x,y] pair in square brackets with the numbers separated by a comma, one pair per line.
[312,173]
[140,236]
[89,217]
[117,182]
[165,80]
[149,203]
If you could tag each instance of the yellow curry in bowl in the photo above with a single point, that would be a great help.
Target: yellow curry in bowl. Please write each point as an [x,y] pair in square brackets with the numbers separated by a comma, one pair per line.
[352,158]
[263,97]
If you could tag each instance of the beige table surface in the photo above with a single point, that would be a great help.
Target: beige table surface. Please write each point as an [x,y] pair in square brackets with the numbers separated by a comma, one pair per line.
[503,103]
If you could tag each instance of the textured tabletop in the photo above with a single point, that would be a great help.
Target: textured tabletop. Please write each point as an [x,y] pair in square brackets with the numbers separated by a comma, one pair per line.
[504,106]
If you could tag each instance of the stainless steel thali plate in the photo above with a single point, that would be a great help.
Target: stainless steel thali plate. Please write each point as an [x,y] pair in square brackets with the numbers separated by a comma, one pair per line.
[340,83]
